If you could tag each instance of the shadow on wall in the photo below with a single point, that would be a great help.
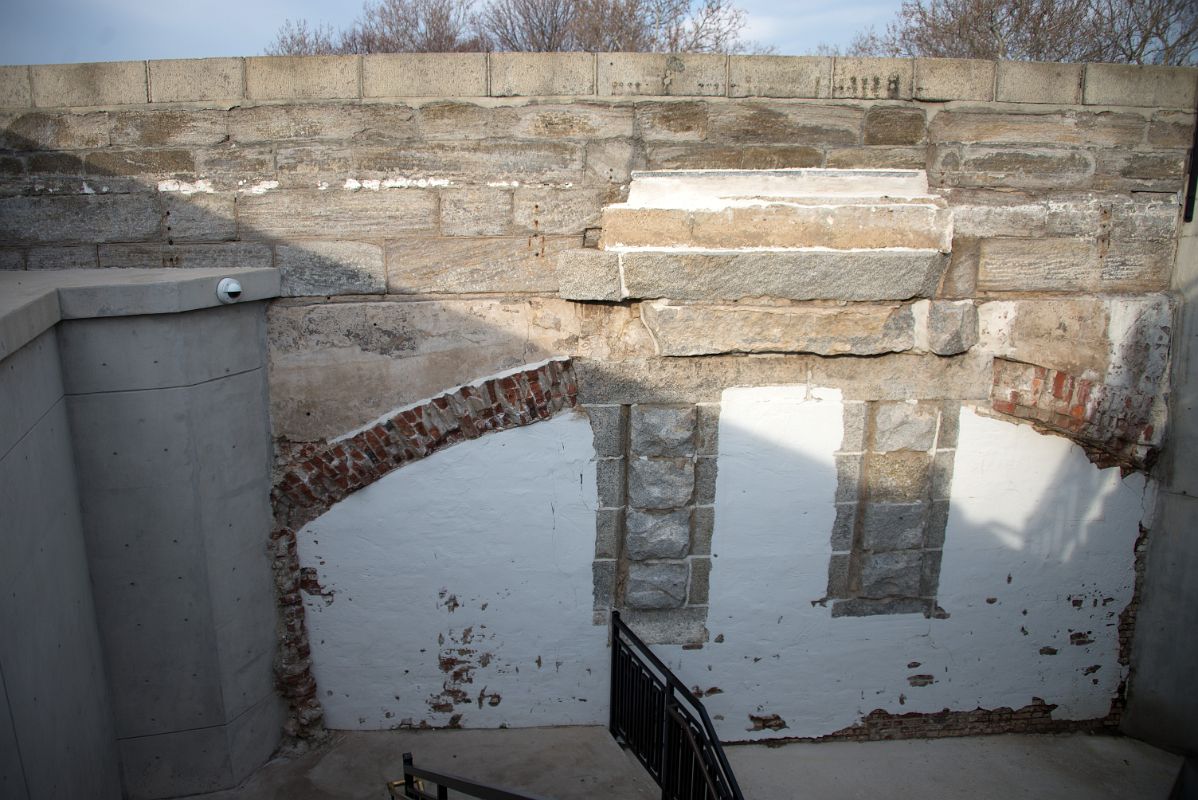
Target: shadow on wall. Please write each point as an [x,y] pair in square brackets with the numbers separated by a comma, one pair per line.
[400,348]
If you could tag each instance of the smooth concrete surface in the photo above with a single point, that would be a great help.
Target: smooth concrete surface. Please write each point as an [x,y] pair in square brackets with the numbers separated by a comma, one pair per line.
[577,763]
[32,302]
[1162,703]
[173,449]
[56,727]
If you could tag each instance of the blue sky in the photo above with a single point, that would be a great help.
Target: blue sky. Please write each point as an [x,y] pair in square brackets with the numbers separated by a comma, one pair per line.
[59,31]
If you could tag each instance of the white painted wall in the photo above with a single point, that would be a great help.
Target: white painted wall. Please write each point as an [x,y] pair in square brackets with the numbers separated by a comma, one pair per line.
[505,526]
[1023,505]
[507,521]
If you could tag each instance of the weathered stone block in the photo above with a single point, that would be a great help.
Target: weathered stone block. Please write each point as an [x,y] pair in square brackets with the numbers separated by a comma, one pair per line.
[705,480]
[707,429]
[579,120]
[418,265]
[838,575]
[865,607]
[609,526]
[301,77]
[424,75]
[148,165]
[328,121]
[658,535]
[623,74]
[156,255]
[1124,170]
[436,163]
[301,165]
[877,158]
[15,91]
[585,274]
[1012,167]
[1136,85]
[191,80]
[613,160]
[794,275]
[752,122]
[902,476]
[843,526]
[700,581]
[950,423]
[198,218]
[952,326]
[12,258]
[603,577]
[536,74]
[663,430]
[39,130]
[672,121]
[848,478]
[1031,82]
[929,581]
[669,626]
[779,76]
[558,211]
[608,424]
[1066,333]
[331,268]
[873,78]
[1093,129]
[942,474]
[476,212]
[609,474]
[660,482]
[953,79]
[895,126]
[80,218]
[899,573]
[111,83]
[704,525]
[81,257]
[1171,129]
[854,427]
[1066,265]
[894,526]
[361,214]
[690,330]
[168,128]
[656,585]
[937,523]
[904,426]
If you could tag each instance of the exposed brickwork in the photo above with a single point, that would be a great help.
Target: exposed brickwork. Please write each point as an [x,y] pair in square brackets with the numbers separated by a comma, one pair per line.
[1036,717]
[1113,423]
[312,477]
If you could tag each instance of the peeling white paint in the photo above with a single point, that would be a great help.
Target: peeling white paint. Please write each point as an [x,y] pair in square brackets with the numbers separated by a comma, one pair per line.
[376,184]
[261,187]
[508,521]
[478,556]
[183,187]
[504,184]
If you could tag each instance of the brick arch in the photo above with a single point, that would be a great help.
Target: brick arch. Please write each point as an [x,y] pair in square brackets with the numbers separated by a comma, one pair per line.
[313,477]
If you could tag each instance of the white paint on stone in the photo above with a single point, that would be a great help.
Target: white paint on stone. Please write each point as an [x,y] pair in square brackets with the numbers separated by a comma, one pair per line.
[261,187]
[185,188]
[508,521]
[479,554]
[716,189]
[377,184]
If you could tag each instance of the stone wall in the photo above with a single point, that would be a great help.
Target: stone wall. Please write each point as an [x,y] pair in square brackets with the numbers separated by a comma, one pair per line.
[439,218]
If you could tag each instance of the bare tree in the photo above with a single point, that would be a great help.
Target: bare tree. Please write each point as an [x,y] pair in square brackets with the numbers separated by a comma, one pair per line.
[393,26]
[541,26]
[299,39]
[1133,31]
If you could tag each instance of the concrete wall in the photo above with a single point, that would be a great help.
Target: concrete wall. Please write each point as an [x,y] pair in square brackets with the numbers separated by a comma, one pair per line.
[57,736]
[173,452]
[1162,707]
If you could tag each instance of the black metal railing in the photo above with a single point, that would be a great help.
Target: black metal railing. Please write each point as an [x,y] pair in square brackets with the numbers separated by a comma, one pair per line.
[414,777]
[664,725]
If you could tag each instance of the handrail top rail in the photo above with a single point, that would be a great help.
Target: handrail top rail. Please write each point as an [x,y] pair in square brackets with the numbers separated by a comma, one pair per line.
[463,785]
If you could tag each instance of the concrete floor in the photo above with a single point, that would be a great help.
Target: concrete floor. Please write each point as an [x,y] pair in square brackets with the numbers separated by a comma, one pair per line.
[576,763]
